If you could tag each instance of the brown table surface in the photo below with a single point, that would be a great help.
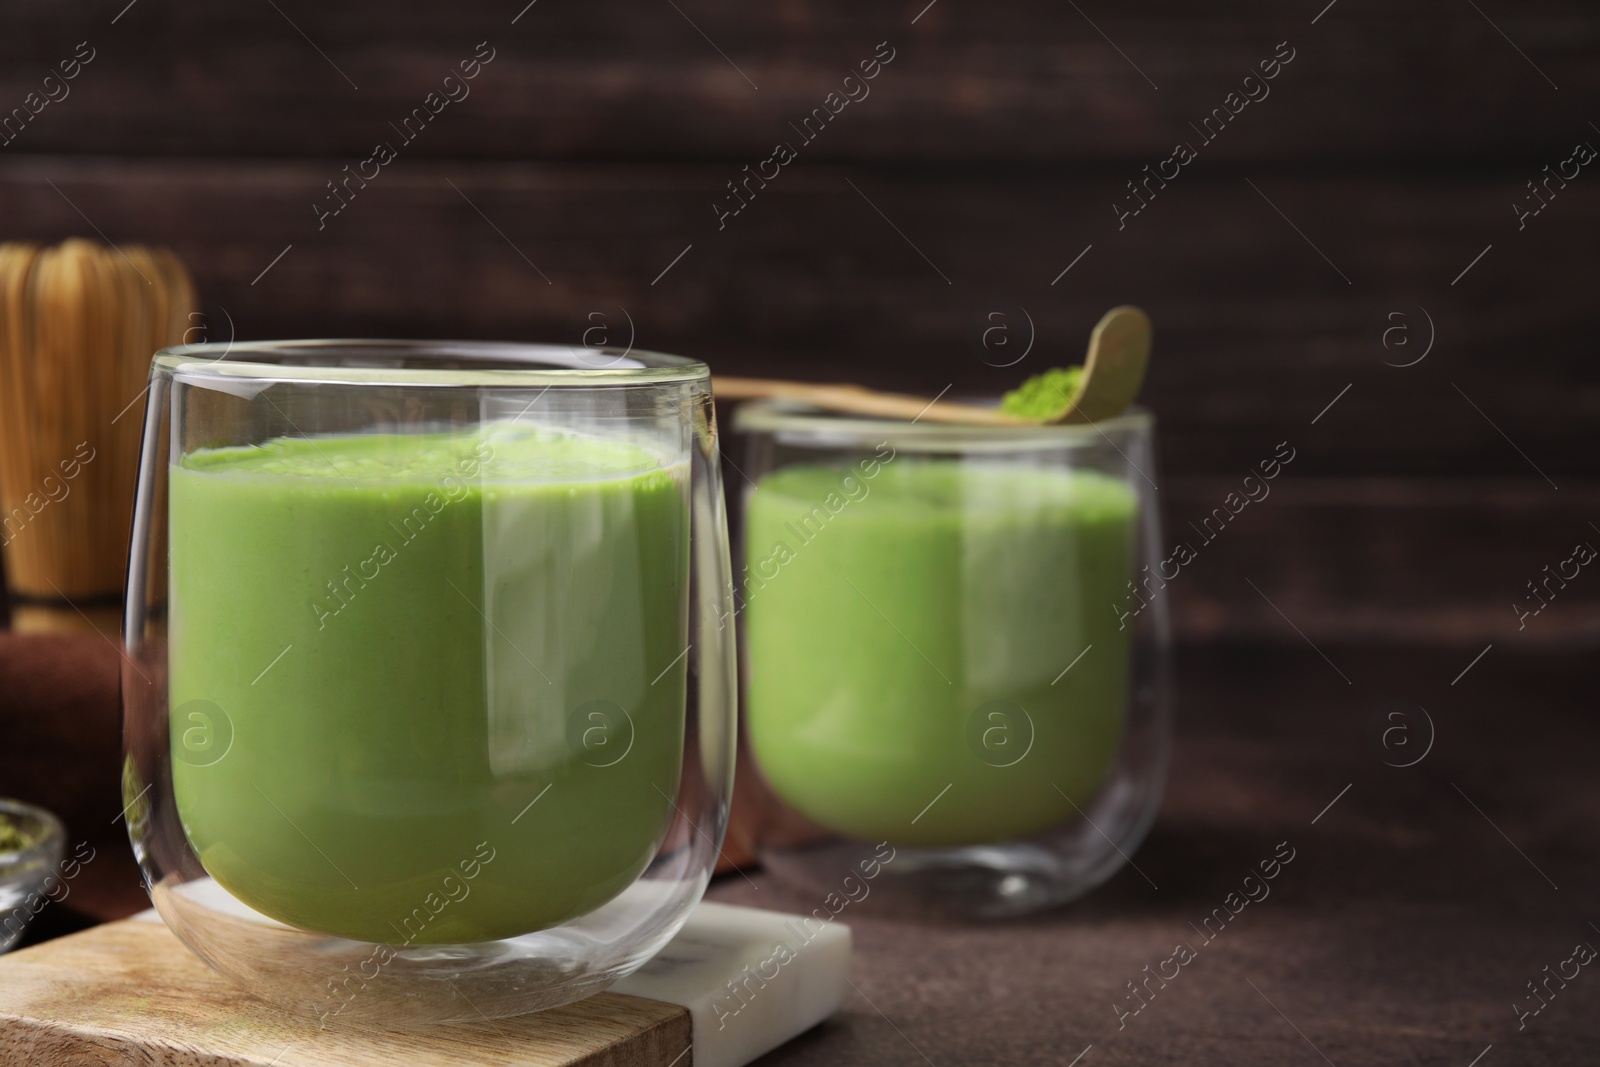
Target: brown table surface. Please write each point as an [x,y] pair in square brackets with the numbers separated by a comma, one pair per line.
[1405,930]
[1414,912]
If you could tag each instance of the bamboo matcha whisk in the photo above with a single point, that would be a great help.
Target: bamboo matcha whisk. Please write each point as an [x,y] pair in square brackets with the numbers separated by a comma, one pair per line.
[78,325]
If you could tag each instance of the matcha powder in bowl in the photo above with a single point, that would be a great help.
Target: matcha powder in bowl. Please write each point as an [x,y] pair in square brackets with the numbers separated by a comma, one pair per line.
[13,838]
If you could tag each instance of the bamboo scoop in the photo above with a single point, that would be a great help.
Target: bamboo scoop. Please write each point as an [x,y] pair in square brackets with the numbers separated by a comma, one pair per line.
[1119,351]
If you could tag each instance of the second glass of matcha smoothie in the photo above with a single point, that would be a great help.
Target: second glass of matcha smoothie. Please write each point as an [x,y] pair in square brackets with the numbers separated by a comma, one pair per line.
[428,712]
[954,656]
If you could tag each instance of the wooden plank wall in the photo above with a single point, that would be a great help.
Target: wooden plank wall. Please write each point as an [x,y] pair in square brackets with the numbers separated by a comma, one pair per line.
[1368,187]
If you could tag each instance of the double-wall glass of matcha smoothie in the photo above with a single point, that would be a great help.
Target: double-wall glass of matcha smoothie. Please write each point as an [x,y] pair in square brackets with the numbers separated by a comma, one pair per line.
[428,708]
[954,654]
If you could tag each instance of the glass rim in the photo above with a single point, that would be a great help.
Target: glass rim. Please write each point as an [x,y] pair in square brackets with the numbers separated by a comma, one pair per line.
[824,427]
[525,363]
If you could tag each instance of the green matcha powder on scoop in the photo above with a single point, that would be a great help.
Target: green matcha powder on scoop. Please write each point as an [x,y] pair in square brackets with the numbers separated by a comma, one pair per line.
[1044,397]
[12,837]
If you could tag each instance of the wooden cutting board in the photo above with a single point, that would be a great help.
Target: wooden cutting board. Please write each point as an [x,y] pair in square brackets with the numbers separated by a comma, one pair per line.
[129,993]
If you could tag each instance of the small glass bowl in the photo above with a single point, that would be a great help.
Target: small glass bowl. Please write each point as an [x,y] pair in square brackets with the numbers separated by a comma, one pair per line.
[24,872]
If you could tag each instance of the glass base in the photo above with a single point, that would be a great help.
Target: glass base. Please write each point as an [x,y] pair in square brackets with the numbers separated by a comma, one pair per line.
[395,985]
[989,881]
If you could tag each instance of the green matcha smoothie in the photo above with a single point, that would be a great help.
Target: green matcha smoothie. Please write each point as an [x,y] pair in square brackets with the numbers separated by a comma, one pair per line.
[907,632]
[427,688]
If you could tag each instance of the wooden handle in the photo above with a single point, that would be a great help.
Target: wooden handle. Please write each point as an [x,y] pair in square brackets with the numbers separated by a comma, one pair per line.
[856,400]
